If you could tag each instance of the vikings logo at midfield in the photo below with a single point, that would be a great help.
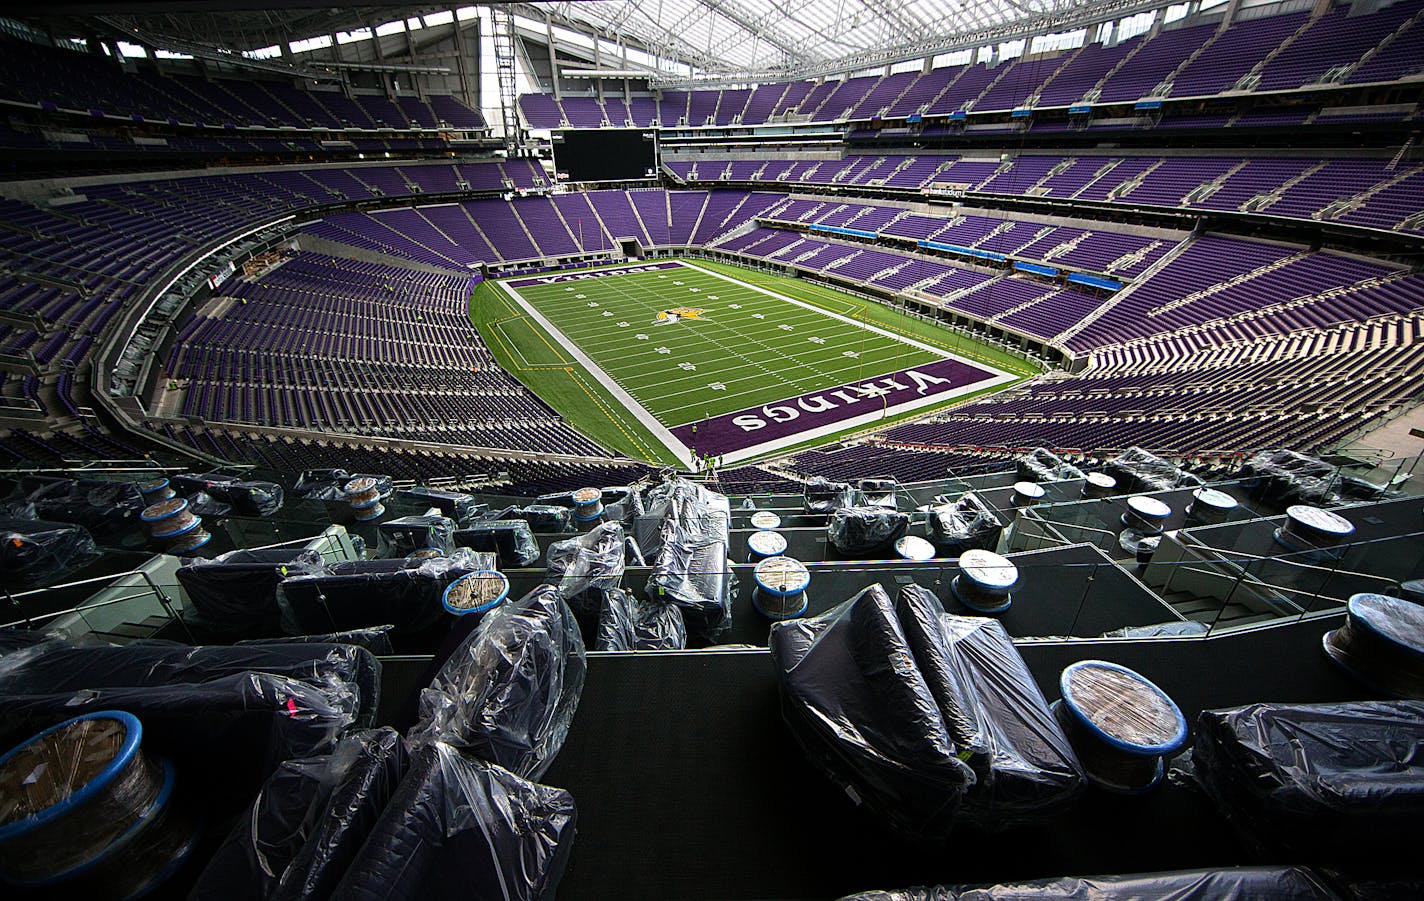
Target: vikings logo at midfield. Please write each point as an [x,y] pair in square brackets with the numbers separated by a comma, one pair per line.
[677,314]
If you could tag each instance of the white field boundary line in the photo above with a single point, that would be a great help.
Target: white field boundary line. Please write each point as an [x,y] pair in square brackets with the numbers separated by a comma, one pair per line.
[767,447]
[670,441]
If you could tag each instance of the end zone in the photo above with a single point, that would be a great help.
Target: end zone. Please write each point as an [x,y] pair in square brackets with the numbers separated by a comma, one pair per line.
[756,431]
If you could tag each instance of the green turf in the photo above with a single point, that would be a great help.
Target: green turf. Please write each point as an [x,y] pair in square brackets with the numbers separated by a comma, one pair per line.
[562,384]
[748,349]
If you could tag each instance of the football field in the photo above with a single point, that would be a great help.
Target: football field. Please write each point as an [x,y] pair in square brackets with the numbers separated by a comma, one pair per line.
[716,365]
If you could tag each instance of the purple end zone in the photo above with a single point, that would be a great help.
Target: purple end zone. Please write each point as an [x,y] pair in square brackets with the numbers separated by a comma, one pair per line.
[905,389]
[556,278]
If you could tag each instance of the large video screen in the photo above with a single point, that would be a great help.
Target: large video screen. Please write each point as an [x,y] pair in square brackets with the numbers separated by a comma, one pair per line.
[605,154]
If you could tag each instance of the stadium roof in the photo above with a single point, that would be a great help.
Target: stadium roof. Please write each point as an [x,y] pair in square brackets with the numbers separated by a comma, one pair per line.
[720,41]
[722,38]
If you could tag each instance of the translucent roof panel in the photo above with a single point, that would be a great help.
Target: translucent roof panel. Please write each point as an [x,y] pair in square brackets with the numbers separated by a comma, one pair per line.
[730,36]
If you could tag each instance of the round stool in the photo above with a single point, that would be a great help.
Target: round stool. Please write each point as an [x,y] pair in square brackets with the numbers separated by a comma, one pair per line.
[984,581]
[363,496]
[155,490]
[1310,528]
[1098,484]
[1146,514]
[475,592]
[765,519]
[914,549]
[761,545]
[780,591]
[1027,493]
[588,504]
[1381,644]
[1120,725]
[1210,506]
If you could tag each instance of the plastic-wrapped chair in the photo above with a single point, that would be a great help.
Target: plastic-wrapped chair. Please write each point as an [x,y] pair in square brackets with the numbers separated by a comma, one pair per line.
[1233,884]
[363,593]
[1331,783]
[862,712]
[227,734]
[321,484]
[35,552]
[62,666]
[244,498]
[824,496]
[1288,477]
[1043,465]
[307,823]
[106,509]
[235,594]
[510,539]
[1140,470]
[627,623]
[964,525]
[927,718]
[509,692]
[879,493]
[408,534]
[861,531]
[376,639]
[588,566]
[458,828]
[541,517]
[452,504]
[687,550]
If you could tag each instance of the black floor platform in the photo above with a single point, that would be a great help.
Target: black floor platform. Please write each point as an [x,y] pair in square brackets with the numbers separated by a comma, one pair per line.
[689,786]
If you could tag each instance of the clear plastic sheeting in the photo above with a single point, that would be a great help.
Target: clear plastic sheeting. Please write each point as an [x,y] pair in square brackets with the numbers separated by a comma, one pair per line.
[1034,773]
[587,567]
[327,484]
[1288,477]
[1043,465]
[376,639]
[508,693]
[685,535]
[1234,884]
[358,594]
[879,493]
[510,539]
[857,703]
[455,505]
[459,828]
[104,508]
[1140,470]
[963,525]
[627,623]
[308,823]
[824,496]
[226,733]
[1178,629]
[235,594]
[860,531]
[1330,783]
[926,719]
[408,534]
[35,552]
[541,517]
[62,666]
[244,498]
